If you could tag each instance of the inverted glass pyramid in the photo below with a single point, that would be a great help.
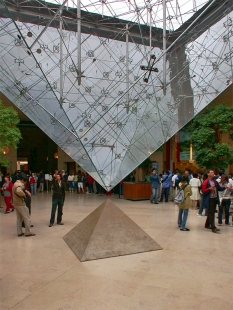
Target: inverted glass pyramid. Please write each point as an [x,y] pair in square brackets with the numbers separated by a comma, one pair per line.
[77,75]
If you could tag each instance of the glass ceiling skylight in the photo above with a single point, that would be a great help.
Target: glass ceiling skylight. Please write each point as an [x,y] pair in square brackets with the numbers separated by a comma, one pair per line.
[109,92]
[142,12]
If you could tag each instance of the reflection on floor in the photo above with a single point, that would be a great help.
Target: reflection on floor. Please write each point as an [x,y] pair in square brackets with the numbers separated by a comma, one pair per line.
[193,271]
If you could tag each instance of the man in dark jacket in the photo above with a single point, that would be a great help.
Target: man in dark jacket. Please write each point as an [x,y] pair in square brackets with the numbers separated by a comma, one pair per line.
[210,188]
[166,182]
[58,198]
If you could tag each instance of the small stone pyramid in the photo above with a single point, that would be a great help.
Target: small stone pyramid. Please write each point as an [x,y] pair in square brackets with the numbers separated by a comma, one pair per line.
[108,232]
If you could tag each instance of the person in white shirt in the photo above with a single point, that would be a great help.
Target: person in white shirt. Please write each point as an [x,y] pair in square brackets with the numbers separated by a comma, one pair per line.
[47,181]
[225,200]
[50,181]
[195,186]
[71,183]
[174,190]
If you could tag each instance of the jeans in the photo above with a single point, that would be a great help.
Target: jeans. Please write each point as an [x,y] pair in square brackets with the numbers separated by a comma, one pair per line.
[76,186]
[41,187]
[201,204]
[56,202]
[165,193]
[154,195]
[225,205]
[32,189]
[182,217]
[47,185]
[97,187]
[210,221]
[91,188]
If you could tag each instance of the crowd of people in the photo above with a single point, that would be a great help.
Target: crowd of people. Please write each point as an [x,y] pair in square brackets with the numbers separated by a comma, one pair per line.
[202,191]
[18,188]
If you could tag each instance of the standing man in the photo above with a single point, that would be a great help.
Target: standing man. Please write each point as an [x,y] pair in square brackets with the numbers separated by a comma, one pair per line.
[22,212]
[154,186]
[90,181]
[210,188]
[42,180]
[166,181]
[188,173]
[58,199]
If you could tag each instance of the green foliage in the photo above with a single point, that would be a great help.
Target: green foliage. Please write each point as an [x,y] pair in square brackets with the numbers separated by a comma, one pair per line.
[205,133]
[9,133]
[160,149]
[145,164]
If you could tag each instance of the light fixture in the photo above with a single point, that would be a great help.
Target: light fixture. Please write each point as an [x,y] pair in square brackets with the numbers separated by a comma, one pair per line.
[5,150]
[29,34]
[38,51]
[55,155]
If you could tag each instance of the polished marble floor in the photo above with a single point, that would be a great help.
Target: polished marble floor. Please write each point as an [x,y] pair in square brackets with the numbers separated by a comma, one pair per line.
[193,271]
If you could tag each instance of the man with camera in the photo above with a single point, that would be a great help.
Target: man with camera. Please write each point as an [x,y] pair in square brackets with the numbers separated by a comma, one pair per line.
[58,199]
[22,212]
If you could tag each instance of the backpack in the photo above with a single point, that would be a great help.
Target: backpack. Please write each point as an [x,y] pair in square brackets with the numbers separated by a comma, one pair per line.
[180,198]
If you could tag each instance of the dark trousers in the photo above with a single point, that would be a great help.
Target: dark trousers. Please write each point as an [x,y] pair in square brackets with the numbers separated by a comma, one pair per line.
[98,188]
[91,188]
[225,205]
[57,204]
[165,194]
[210,221]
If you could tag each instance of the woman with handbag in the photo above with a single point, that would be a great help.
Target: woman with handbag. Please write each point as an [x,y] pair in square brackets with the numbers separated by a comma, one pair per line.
[184,207]
[195,184]
[225,200]
[7,192]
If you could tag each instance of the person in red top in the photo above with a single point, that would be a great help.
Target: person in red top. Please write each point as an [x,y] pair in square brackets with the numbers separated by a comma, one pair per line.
[31,182]
[90,181]
[210,188]
[7,191]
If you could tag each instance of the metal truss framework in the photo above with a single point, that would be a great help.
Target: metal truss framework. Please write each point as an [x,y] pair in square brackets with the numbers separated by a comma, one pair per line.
[77,74]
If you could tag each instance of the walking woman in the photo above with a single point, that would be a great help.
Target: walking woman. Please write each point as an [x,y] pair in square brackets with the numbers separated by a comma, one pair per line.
[7,191]
[184,207]
[195,184]
[225,200]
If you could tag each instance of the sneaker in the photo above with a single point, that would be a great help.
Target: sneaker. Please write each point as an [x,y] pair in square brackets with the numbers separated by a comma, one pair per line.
[199,214]
[219,224]
[231,225]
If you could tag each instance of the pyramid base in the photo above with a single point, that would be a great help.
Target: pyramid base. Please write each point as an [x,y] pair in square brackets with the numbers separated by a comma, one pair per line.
[108,232]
